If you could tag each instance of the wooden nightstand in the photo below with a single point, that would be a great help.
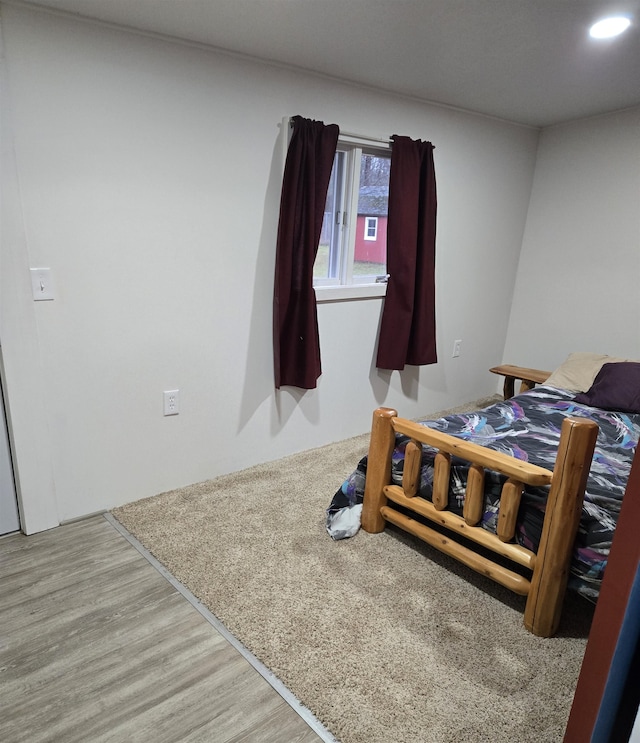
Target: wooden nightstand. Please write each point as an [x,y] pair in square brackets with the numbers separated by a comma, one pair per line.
[528,377]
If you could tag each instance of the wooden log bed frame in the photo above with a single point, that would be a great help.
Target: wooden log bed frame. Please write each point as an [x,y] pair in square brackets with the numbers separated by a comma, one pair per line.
[548,568]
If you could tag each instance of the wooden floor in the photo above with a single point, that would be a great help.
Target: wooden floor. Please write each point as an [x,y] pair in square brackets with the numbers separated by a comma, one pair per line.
[95,645]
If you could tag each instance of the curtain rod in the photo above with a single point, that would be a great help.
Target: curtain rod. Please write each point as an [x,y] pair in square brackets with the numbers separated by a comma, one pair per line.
[381,140]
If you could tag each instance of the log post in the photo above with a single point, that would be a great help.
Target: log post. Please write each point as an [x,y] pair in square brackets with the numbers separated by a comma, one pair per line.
[441,477]
[378,475]
[474,495]
[508,511]
[562,516]
[411,470]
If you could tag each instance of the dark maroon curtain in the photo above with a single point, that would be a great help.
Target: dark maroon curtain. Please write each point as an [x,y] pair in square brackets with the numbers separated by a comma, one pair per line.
[408,326]
[307,173]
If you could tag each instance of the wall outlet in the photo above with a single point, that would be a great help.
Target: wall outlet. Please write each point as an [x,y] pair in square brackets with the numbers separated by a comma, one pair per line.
[171,402]
[456,349]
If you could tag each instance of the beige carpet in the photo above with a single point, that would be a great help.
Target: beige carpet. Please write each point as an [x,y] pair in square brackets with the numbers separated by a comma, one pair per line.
[384,639]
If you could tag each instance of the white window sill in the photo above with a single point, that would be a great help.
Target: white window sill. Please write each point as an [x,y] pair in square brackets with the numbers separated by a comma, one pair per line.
[344,293]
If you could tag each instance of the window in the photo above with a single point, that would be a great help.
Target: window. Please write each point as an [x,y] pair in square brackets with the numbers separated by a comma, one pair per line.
[371,228]
[353,242]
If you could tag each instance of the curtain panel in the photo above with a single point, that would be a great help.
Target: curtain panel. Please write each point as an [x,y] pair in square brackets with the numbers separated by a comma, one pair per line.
[408,326]
[307,172]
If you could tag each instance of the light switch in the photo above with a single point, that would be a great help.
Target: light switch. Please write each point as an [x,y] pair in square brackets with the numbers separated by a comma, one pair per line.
[42,284]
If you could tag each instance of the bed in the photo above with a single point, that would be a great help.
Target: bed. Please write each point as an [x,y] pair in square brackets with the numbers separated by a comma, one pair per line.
[526,491]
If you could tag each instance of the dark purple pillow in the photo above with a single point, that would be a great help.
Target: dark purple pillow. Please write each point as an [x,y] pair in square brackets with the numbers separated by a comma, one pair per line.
[616,387]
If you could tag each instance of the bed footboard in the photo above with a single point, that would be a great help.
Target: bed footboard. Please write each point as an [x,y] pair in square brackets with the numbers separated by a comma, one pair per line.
[549,567]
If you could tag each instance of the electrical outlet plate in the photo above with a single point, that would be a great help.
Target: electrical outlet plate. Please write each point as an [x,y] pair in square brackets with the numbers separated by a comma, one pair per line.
[456,348]
[171,402]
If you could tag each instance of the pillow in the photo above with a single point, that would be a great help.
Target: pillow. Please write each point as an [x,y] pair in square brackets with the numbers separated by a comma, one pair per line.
[616,387]
[579,370]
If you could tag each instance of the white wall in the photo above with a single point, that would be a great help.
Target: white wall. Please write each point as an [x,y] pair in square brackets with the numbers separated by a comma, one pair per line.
[579,272]
[149,175]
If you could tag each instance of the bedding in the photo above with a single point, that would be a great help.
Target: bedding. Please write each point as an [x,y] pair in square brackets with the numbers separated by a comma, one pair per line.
[616,387]
[526,427]
[578,371]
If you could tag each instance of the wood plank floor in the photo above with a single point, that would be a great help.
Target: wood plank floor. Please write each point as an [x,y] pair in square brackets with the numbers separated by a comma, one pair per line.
[95,645]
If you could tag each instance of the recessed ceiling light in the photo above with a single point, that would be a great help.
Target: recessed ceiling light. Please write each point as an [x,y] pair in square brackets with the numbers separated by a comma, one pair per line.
[608,27]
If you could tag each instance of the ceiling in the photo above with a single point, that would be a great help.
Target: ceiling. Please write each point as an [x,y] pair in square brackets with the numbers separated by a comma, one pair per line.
[527,61]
